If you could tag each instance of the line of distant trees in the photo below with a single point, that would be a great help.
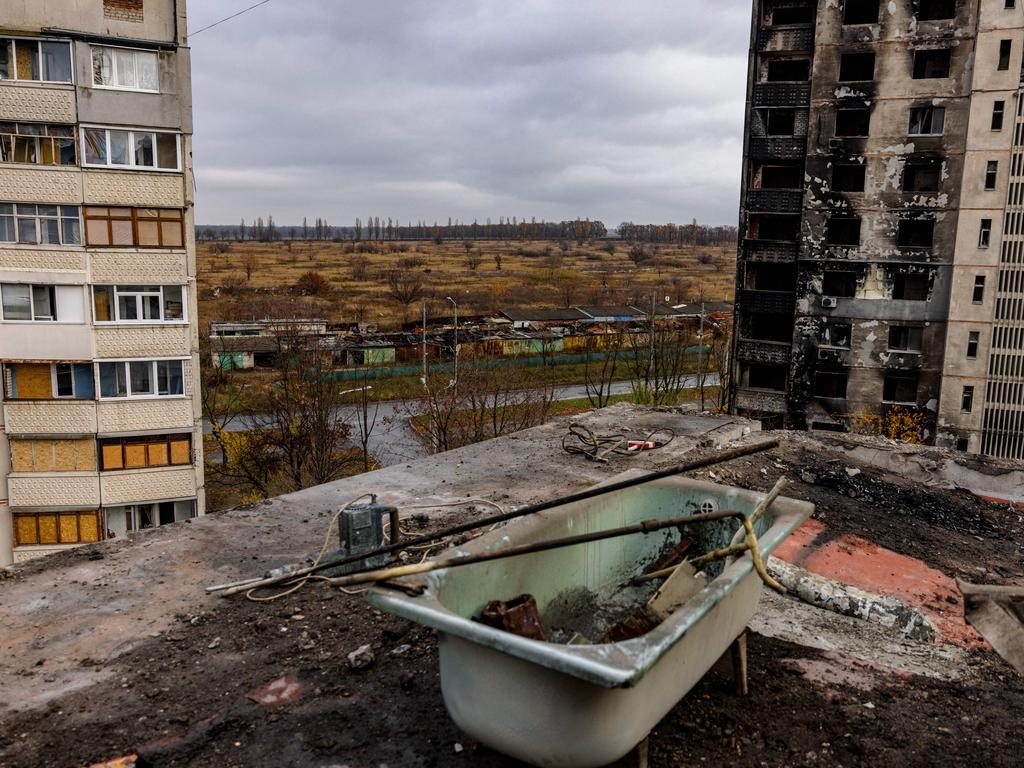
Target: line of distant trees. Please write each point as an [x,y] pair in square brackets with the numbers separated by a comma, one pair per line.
[376,228]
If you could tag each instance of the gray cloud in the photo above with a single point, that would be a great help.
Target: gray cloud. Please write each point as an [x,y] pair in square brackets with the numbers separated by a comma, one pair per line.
[436,108]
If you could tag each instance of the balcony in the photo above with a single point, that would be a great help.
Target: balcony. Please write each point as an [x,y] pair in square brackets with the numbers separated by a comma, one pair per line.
[766,302]
[45,341]
[79,490]
[757,351]
[162,190]
[150,415]
[782,94]
[147,265]
[794,39]
[903,360]
[760,400]
[774,200]
[50,417]
[775,251]
[778,148]
[136,486]
[37,102]
[41,183]
[36,259]
[839,356]
[128,340]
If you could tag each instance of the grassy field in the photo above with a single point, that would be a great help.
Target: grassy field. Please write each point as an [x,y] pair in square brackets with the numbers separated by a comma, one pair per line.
[262,279]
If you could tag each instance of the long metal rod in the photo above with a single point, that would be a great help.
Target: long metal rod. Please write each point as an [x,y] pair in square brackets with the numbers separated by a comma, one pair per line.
[644,527]
[705,461]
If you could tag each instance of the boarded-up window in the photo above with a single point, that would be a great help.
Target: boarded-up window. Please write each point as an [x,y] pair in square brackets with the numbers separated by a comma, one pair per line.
[150,451]
[53,455]
[33,382]
[43,528]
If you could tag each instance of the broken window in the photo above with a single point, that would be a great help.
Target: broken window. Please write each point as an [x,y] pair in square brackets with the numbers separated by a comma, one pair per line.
[830,384]
[1005,46]
[37,144]
[978,296]
[773,227]
[991,174]
[962,443]
[141,452]
[853,122]
[46,528]
[860,12]
[115,148]
[856,67]
[931,63]
[915,233]
[778,177]
[770,277]
[788,70]
[998,108]
[843,232]
[905,338]
[48,381]
[139,303]
[933,10]
[835,335]
[767,327]
[848,177]
[839,284]
[921,175]
[766,376]
[967,399]
[140,227]
[779,122]
[900,388]
[910,286]
[985,233]
[973,340]
[47,61]
[792,14]
[926,121]
[142,378]
[125,69]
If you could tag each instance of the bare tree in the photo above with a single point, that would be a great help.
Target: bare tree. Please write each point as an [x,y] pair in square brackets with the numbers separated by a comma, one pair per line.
[602,366]
[473,259]
[658,362]
[249,264]
[404,286]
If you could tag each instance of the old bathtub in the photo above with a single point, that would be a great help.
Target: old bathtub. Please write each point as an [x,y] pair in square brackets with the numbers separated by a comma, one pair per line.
[588,705]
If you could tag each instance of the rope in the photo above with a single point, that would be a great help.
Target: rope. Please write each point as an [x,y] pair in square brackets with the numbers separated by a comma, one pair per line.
[582,441]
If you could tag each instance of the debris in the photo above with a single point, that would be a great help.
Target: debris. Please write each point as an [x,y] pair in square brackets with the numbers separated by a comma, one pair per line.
[361,658]
[215,643]
[128,761]
[998,614]
[808,477]
[401,650]
[276,693]
[852,471]
[458,748]
[518,616]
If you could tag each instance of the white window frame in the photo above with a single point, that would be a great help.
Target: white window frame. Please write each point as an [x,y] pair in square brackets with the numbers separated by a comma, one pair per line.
[138,293]
[32,303]
[60,225]
[935,108]
[153,372]
[131,145]
[113,59]
[39,53]
[53,383]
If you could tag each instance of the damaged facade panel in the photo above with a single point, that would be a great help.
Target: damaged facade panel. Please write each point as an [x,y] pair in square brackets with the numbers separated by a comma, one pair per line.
[898,104]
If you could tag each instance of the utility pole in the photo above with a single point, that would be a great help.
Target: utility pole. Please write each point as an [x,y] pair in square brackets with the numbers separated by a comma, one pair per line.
[700,356]
[424,378]
[455,304]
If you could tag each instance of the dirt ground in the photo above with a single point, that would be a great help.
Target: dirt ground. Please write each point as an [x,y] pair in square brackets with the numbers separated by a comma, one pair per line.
[187,697]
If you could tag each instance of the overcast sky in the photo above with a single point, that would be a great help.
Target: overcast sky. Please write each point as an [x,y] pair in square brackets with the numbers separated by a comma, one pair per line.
[425,109]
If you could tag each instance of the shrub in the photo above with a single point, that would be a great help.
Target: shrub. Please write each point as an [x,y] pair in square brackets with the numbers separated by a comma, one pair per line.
[313,284]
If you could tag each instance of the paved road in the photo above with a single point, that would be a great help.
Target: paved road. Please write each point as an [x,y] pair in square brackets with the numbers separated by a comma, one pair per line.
[393,441]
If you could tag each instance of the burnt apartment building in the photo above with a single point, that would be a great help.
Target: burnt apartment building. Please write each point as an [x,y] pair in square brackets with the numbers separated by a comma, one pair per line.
[881,261]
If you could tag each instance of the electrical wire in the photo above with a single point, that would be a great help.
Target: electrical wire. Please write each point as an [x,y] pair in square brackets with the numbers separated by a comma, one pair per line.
[227,18]
[582,441]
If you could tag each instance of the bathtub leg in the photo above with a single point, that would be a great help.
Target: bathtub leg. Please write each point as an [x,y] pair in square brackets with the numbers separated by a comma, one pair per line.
[639,753]
[738,651]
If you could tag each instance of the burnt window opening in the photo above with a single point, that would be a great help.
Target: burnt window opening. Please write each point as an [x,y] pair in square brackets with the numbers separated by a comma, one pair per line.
[984,233]
[967,399]
[792,14]
[1010,4]
[927,121]
[848,177]
[844,232]
[827,426]
[991,174]
[839,284]
[788,70]
[931,63]
[835,335]
[922,176]
[910,287]
[779,122]
[770,277]
[900,388]
[915,233]
[778,177]
[905,338]
[771,377]
[860,12]
[830,384]
[973,342]
[773,227]
[998,110]
[856,67]
[767,327]
[935,10]
[963,443]
[853,122]
[978,295]
[1005,47]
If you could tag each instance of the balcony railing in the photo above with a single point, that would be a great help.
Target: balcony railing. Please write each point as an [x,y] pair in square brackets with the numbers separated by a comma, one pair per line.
[759,351]
[766,302]
[775,200]
[54,489]
[136,486]
[785,39]
[761,400]
[50,417]
[775,251]
[779,148]
[782,94]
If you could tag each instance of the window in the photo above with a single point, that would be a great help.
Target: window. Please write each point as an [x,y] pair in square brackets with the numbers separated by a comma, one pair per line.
[932,10]
[830,384]
[142,378]
[967,399]
[915,233]
[48,381]
[759,376]
[840,284]
[843,232]
[1005,46]
[973,340]
[778,177]
[978,297]
[926,121]
[853,122]
[47,61]
[53,455]
[140,227]
[835,335]
[985,233]
[37,144]
[905,338]
[121,148]
[900,388]
[779,122]
[139,303]
[922,176]
[860,12]
[43,528]
[910,287]
[962,443]
[788,70]
[28,302]
[998,109]
[856,67]
[792,14]
[991,173]
[848,177]
[40,224]
[931,63]
[125,68]
[141,452]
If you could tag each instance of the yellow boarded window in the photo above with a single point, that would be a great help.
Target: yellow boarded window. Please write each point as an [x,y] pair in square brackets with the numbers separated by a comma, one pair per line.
[112,456]
[43,450]
[69,528]
[33,382]
[89,526]
[135,456]
[25,533]
[48,529]
[158,455]
[181,452]
[21,456]
[44,528]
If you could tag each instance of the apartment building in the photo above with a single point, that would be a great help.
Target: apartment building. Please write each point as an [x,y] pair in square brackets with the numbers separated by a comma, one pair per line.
[100,429]
[881,265]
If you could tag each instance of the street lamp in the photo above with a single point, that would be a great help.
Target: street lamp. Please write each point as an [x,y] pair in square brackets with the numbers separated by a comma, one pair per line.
[456,305]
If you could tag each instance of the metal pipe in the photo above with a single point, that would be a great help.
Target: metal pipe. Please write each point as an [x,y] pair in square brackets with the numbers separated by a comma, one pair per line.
[705,461]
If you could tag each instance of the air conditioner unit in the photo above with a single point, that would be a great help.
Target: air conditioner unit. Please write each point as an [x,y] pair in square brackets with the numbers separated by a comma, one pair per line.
[829,302]
[835,143]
